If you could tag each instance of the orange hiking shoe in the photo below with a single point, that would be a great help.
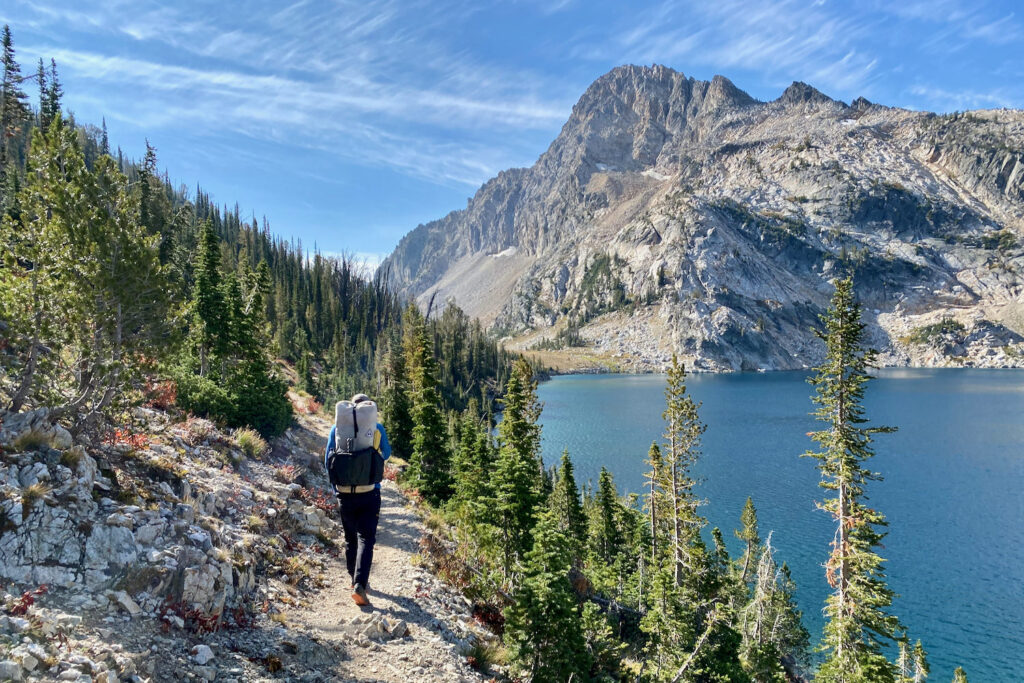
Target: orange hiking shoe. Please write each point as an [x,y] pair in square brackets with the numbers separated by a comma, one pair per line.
[359,596]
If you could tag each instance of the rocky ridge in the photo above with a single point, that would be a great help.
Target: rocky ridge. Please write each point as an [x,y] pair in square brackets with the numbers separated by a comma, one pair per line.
[673,215]
[163,553]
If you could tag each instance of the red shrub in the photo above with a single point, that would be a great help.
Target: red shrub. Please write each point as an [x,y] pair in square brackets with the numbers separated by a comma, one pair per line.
[489,616]
[27,599]
[161,395]
[318,499]
[123,436]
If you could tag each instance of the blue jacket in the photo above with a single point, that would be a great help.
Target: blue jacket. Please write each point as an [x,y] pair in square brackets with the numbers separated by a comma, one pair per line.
[385,447]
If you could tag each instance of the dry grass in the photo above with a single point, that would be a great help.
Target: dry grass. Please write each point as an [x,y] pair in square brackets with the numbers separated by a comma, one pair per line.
[70,458]
[482,655]
[32,495]
[251,443]
[31,440]
[297,568]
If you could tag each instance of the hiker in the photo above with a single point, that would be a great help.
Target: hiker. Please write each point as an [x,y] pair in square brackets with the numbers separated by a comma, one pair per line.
[356,450]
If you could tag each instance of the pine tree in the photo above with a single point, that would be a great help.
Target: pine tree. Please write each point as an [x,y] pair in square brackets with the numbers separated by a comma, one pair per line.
[209,310]
[472,465]
[858,625]
[156,211]
[959,676]
[565,502]
[430,462]
[682,436]
[605,532]
[543,627]
[80,276]
[654,499]
[748,534]
[689,617]
[395,401]
[55,91]
[104,138]
[44,115]
[13,101]
[517,476]
[921,668]
[604,648]
[40,312]
[770,623]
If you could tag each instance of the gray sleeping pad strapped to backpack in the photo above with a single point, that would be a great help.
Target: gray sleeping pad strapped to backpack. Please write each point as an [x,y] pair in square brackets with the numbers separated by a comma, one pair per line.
[355,460]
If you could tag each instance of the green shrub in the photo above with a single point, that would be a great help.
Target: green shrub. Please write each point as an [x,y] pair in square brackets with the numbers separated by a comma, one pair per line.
[251,443]
[926,333]
[202,396]
[252,396]
[259,400]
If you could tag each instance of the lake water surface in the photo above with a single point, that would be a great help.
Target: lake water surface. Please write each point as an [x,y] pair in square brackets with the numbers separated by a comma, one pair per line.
[952,493]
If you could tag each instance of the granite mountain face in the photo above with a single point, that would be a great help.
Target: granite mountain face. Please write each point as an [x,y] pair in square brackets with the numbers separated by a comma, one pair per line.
[677,215]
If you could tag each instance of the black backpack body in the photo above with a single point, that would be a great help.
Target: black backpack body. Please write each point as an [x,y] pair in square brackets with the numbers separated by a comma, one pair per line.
[355,461]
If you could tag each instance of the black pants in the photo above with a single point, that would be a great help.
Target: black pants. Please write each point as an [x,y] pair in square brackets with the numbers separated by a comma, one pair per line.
[359,515]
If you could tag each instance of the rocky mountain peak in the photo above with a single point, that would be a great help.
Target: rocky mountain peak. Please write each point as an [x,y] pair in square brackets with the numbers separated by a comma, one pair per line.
[801,93]
[690,218]
[656,91]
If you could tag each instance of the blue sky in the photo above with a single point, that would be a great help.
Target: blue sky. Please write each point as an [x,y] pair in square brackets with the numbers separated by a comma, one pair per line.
[348,123]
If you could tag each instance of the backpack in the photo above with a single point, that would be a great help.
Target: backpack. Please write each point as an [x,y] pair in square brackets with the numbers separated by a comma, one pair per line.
[355,460]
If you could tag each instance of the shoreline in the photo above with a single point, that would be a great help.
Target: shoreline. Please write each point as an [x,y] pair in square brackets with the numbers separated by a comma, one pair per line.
[552,371]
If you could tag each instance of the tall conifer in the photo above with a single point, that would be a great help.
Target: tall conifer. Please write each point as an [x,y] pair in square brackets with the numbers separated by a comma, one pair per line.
[395,399]
[13,100]
[543,627]
[565,501]
[682,440]
[209,311]
[430,459]
[749,535]
[859,625]
[517,476]
[605,531]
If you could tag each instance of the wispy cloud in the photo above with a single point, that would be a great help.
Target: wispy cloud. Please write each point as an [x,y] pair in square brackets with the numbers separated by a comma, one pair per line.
[352,77]
[786,40]
[942,99]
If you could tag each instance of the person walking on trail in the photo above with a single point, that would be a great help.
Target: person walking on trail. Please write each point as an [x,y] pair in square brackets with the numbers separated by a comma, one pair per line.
[356,450]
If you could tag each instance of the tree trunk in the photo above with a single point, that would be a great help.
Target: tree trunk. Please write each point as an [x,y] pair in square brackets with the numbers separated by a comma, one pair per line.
[677,551]
[28,374]
[654,521]
[696,649]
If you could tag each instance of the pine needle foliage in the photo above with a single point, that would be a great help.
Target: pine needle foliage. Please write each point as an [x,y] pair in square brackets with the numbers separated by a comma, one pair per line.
[430,462]
[858,623]
[568,509]
[517,477]
[543,629]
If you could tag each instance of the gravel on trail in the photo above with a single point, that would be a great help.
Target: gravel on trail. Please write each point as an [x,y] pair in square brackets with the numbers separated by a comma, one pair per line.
[434,621]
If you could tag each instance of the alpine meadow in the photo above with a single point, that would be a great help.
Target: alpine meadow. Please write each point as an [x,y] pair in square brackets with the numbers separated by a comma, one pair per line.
[345,451]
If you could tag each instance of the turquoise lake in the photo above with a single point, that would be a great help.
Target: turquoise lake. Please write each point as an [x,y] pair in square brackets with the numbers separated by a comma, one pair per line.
[952,493]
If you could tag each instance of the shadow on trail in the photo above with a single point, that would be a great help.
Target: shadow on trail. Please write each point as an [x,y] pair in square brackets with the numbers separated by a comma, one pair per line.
[398,534]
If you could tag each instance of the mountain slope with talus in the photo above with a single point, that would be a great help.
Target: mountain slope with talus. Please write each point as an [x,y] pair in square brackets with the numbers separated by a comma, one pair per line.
[672,215]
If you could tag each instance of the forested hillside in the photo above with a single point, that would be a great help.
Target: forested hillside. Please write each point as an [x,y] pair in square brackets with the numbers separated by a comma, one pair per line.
[116,282]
